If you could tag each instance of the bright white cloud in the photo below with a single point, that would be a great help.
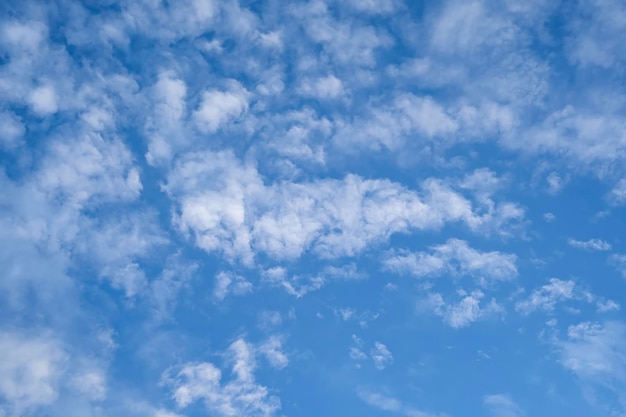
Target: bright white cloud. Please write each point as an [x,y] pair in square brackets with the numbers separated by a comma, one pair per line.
[272,350]
[89,167]
[227,207]
[241,395]
[455,257]
[381,356]
[547,296]
[464,312]
[220,107]
[43,100]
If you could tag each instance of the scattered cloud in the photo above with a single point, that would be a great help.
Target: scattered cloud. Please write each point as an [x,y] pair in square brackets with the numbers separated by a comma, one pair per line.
[455,257]
[464,312]
[590,245]
[241,395]
[381,356]
[502,405]
[547,296]
[229,283]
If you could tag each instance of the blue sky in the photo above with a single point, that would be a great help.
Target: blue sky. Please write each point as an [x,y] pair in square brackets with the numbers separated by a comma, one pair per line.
[317,208]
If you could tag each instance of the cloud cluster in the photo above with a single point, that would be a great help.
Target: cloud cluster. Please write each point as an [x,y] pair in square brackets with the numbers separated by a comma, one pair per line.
[241,395]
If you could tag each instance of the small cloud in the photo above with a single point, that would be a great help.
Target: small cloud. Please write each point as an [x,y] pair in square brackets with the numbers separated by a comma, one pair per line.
[546,297]
[43,100]
[619,262]
[328,87]
[345,313]
[502,405]
[381,356]
[272,350]
[269,319]
[617,196]
[549,217]
[555,183]
[229,283]
[458,258]
[590,245]
[218,107]
[464,312]
[605,306]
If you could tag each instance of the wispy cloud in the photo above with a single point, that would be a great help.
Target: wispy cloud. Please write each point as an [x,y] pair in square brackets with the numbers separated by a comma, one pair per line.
[590,245]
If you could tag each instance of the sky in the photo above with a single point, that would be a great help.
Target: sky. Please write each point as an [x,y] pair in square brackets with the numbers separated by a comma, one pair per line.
[237,208]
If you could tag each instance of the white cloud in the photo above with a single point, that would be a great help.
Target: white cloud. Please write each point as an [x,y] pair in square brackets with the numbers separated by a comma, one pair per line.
[596,354]
[619,262]
[229,283]
[165,290]
[30,371]
[455,257]
[165,128]
[328,87]
[91,383]
[555,183]
[380,401]
[114,246]
[228,208]
[28,35]
[271,349]
[374,6]
[163,22]
[463,313]
[547,296]
[502,405]
[595,351]
[590,245]
[617,195]
[88,167]
[393,125]
[11,131]
[604,306]
[219,107]
[164,413]
[389,403]
[241,395]
[381,356]
[269,319]
[346,42]
[43,100]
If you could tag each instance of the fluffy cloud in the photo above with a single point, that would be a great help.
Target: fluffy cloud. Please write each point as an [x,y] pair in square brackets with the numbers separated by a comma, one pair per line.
[464,312]
[241,395]
[30,369]
[595,351]
[547,296]
[381,355]
[228,207]
[454,257]
[219,107]
[229,283]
